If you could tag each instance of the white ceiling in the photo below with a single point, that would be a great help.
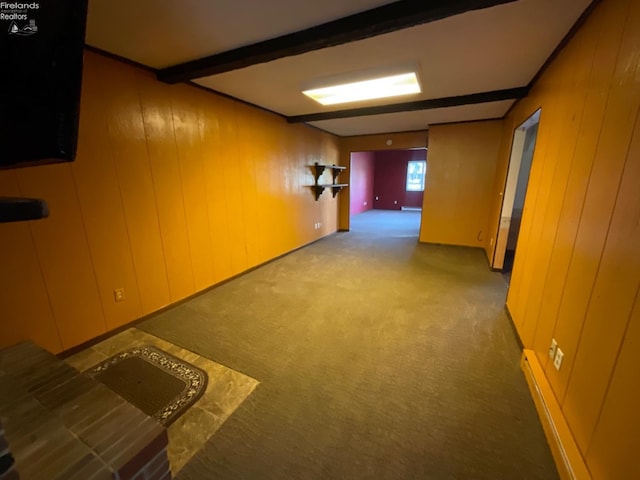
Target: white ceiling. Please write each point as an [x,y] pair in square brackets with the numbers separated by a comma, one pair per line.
[492,49]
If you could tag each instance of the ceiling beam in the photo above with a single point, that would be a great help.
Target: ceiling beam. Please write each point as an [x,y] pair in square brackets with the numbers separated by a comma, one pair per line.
[370,23]
[484,97]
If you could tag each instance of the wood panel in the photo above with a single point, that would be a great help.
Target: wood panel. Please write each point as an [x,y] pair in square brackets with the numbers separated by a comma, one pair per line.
[23,316]
[577,277]
[460,176]
[213,158]
[615,443]
[232,178]
[306,210]
[534,204]
[542,96]
[612,299]
[157,117]
[96,180]
[570,106]
[161,201]
[126,130]
[63,253]
[273,197]
[608,36]
[186,122]
[250,141]
[606,171]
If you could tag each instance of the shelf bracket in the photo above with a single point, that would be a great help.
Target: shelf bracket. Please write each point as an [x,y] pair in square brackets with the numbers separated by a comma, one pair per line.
[335,189]
[319,170]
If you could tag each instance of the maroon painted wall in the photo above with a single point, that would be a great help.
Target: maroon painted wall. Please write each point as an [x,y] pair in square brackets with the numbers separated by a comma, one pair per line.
[361,182]
[390,181]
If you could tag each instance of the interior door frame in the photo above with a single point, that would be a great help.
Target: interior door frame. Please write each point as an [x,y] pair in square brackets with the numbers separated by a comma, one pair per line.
[510,186]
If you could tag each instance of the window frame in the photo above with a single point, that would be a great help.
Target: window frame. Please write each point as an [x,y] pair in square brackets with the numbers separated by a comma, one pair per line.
[410,182]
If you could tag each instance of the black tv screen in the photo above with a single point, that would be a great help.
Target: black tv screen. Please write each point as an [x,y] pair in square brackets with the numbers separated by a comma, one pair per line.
[41,49]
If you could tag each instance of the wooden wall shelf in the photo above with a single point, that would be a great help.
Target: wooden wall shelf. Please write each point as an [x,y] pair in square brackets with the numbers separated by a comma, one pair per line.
[336,187]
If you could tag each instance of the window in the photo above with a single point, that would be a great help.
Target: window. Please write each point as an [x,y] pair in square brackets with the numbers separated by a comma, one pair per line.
[415,176]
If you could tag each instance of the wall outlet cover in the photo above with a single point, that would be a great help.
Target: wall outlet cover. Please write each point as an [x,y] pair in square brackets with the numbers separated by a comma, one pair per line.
[118,294]
[557,361]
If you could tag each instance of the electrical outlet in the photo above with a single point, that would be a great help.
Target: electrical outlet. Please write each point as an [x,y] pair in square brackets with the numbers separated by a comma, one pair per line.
[118,294]
[553,348]
[557,361]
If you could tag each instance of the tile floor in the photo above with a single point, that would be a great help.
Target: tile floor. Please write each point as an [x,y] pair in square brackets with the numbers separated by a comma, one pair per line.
[226,390]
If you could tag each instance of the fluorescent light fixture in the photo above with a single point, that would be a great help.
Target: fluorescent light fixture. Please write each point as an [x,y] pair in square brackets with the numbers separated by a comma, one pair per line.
[383,87]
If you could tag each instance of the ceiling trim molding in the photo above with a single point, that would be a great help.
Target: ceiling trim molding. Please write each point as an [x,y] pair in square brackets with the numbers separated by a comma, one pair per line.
[146,68]
[119,58]
[563,43]
[474,98]
[235,99]
[565,40]
[370,23]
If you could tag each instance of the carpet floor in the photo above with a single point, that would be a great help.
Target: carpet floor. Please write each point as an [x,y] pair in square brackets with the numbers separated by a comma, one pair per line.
[378,357]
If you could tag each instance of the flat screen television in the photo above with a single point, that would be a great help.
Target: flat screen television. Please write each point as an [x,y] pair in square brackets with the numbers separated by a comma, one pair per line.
[41,50]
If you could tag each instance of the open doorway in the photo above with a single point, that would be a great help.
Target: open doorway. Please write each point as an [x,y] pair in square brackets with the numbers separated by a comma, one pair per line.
[386,191]
[522,149]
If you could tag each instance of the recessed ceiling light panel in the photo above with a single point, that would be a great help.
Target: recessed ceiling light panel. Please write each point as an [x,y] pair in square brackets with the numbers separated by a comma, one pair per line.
[381,87]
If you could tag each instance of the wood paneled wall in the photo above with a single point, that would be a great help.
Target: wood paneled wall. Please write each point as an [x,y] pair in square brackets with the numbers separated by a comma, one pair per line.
[576,276]
[173,190]
[459,182]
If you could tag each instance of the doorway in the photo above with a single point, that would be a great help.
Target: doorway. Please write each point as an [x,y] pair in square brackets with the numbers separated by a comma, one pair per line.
[522,150]
[386,189]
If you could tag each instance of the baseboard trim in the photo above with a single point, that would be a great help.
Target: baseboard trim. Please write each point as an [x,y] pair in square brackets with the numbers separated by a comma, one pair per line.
[516,334]
[569,461]
[102,337]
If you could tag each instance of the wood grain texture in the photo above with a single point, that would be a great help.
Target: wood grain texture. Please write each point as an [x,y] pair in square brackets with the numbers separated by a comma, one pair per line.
[577,271]
[157,117]
[63,254]
[174,190]
[96,181]
[583,156]
[608,163]
[23,316]
[186,124]
[128,140]
[458,183]
[620,417]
